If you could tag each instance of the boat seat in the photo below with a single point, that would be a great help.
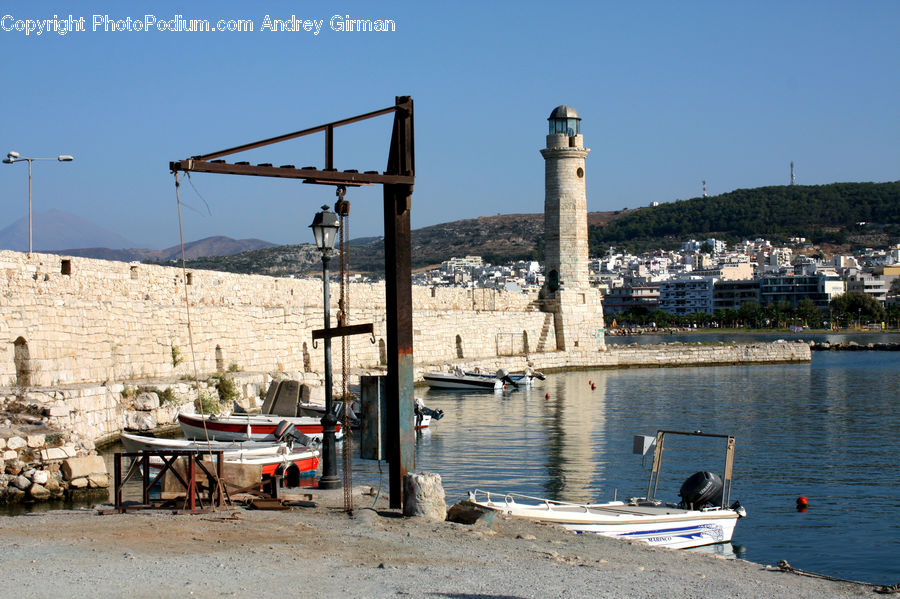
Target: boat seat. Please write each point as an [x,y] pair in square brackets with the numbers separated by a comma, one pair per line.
[282,399]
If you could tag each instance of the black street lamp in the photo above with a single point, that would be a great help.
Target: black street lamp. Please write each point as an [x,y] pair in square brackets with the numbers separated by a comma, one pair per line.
[325,226]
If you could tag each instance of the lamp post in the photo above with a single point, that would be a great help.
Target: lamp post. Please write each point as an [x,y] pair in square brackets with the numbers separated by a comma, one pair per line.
[12,158]
[325,226]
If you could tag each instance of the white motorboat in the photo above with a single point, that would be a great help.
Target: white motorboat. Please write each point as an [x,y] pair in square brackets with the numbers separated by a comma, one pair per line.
[480,381]
[701,518]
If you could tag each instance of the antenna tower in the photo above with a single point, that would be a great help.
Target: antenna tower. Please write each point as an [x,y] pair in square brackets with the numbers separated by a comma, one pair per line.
[792,172]
[704,188]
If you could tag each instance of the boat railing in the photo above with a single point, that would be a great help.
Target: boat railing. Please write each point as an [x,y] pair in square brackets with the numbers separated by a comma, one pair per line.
[510,499]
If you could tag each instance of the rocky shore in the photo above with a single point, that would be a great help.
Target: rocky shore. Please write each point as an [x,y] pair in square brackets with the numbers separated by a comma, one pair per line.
[320,551]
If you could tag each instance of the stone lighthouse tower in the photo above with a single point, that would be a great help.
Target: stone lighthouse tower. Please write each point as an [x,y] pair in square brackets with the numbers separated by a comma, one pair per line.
[567,292]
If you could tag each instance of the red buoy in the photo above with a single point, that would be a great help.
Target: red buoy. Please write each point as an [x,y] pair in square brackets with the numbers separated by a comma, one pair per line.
[802,504]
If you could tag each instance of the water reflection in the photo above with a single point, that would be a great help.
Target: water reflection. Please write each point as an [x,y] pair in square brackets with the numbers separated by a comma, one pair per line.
[575,436]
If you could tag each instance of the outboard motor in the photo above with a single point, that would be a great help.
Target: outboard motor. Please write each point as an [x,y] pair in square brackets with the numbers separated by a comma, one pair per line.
[529,371]
[503,375]
[420,409]
[287,432]
[701,489]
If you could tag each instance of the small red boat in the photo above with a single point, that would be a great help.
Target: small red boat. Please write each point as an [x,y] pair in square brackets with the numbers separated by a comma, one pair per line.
[246,427]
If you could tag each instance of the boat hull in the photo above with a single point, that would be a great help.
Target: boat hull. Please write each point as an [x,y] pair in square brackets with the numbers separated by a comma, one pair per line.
[135,443]
[661,526]
[305,460]
[247,427]
[446,380]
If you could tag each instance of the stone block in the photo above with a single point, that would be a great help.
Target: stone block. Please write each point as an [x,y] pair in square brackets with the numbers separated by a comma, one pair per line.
[423,496]
[35,441]
[54,453]
[140,421]
[2,443]
[98,481]
[79,483]
[40,477]
[13,464]
[74,468]
[59,411]
[16,443]
[146,401]
[20,482]
[39,492]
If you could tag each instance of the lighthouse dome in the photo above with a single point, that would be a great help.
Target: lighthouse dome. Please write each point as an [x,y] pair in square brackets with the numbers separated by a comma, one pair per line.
[564,120]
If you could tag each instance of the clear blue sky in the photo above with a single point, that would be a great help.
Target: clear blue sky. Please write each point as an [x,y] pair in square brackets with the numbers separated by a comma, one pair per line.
[670,93]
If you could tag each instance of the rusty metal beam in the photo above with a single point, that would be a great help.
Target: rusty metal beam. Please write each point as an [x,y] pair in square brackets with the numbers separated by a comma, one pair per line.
[353,329]
[398,291]
[295,134]
[313,175]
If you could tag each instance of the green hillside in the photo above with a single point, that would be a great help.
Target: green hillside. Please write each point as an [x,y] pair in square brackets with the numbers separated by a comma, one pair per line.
[821,213]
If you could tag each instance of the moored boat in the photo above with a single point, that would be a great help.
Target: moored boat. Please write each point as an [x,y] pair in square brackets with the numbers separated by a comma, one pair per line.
[272,458]
[135,443]
[702,518]
[480,381]
[246,427]
[304,459]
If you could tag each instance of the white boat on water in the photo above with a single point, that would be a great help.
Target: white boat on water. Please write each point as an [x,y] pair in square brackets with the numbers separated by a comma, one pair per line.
[480,381]
[701,518]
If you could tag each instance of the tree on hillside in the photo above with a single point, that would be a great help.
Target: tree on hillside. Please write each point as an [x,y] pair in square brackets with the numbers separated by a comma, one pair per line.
[822,213]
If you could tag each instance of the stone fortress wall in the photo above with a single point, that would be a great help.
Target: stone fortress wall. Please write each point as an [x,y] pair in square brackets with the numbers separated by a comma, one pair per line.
[70,320]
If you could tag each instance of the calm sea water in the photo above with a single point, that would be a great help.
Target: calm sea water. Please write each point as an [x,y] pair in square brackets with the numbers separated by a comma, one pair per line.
[827,430]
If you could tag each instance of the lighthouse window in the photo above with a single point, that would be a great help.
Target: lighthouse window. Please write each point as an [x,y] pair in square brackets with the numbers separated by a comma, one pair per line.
[580,173]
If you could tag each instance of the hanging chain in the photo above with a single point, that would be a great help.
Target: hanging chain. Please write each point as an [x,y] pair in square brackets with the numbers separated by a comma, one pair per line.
[342,208]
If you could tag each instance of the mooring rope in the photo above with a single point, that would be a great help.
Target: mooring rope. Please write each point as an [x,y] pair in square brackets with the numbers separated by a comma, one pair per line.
[342,208]
[784,566]
[226,500]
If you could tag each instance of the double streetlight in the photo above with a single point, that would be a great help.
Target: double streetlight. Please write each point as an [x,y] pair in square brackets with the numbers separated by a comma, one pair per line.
[12,158]
[325,226]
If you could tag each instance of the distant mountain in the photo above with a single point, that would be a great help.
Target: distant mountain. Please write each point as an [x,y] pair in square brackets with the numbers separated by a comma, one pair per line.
[209,247]
[54,230]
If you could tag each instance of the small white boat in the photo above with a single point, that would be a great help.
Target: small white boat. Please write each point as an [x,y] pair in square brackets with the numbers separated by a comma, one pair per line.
[135,443]
[479,381]
[702,517]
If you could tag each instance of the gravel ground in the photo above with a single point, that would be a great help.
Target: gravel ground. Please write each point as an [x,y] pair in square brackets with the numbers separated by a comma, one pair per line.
[322,552]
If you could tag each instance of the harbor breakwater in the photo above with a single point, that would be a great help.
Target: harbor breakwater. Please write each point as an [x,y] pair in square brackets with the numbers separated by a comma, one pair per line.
[94,347]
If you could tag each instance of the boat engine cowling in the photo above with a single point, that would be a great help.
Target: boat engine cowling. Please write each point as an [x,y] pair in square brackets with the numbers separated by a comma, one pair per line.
[503,375]
[701,489]
[287,432]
